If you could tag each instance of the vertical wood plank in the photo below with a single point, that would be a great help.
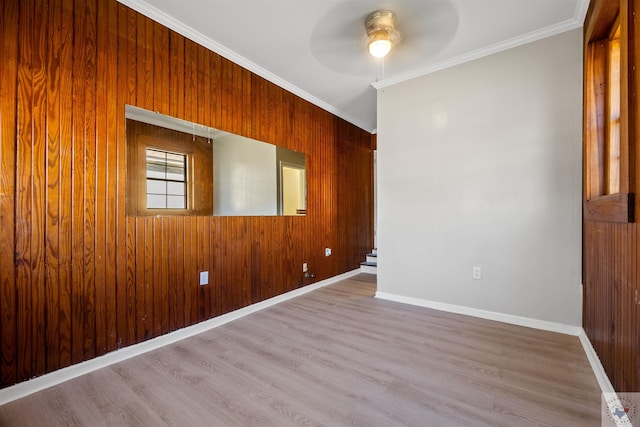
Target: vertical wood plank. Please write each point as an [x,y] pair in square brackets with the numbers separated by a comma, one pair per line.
[214,274]
[226,266]
[161,290]
[192,93]
[78,190]
[101,194]
[176,74]
[66,279]
[24,158]
[144,77]
[132,279]
[156,260]
[202,245]
[245,256]
[52,228]
[164,284]
[125,228]
[203,84]
[88,79]
[192,281]
[160,49]
[190,80]
[149,278]
[180,283]
[256,265]
[115,242]
[9,16]
[141,313]
[188,272]
[225,94]
[214,100]
[176,94]
[176,268]
[39,170]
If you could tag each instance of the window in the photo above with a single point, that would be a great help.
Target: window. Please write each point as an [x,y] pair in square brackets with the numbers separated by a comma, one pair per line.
[612,165]
[606,112]
[168,172]
[166,180]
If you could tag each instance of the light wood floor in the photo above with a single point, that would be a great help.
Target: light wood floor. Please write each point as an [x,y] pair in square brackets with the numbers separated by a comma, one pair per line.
[336,357]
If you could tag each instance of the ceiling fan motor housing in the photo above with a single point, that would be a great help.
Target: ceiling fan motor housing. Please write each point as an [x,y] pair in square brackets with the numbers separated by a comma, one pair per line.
[381,23]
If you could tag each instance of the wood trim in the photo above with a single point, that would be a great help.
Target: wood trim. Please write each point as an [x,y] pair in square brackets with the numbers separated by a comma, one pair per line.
[626,92]
[631,44]
[199,154]
[595,118]
[600,16]
[614,208]
[611,271]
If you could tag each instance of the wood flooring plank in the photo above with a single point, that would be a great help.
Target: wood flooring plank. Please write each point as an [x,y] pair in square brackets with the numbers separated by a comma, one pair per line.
[338,357]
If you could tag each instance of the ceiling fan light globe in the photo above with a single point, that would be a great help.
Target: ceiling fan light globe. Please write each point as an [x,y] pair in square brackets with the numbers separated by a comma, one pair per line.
[379,48]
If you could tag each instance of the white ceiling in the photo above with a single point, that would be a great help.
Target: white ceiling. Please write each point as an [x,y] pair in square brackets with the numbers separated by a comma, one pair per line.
[317,48]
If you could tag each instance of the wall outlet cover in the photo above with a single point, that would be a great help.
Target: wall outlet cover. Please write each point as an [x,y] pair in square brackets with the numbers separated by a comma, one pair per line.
[204,278]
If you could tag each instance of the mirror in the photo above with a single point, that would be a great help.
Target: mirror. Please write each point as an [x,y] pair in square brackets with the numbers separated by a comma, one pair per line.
[175,167]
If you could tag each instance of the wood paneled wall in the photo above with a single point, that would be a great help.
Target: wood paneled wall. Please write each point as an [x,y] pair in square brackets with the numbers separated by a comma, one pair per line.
[79,278]
[611,274]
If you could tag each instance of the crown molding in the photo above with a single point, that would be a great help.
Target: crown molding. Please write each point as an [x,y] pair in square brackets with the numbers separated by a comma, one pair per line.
[168,21]
[157,15]
[571,24]
[581,11]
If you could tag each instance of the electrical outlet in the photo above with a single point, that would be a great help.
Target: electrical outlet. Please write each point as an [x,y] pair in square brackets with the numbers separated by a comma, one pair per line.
[327,251]
[477,273]
[304,267]
[204,278]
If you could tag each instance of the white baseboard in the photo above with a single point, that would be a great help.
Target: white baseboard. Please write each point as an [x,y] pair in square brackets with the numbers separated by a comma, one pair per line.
[594,360]
[596,365]
[485,314]
[368,269]
[34,385]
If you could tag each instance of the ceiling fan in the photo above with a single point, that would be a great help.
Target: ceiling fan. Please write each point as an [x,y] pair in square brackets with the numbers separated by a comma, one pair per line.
[350,38]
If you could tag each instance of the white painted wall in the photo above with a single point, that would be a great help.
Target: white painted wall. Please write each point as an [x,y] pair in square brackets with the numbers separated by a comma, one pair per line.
[244,177]
[480,165]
